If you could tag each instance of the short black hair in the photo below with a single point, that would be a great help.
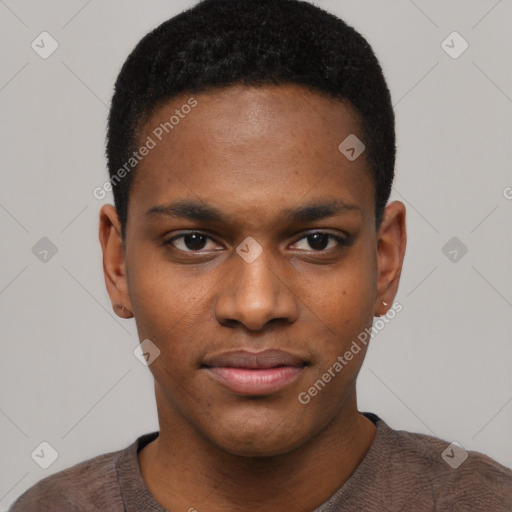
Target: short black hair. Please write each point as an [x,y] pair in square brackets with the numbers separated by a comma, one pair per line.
[218,43]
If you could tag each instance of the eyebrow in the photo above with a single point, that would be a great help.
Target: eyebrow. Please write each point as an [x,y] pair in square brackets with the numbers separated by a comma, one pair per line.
[196,210]
[319,210]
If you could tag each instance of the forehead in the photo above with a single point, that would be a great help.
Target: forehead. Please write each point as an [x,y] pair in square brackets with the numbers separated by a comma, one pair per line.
[243,147]
[241,115]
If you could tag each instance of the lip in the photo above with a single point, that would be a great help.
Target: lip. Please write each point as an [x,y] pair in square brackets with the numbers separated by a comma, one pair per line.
[255,373]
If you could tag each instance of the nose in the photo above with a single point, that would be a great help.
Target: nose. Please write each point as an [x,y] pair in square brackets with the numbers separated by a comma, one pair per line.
[255,294]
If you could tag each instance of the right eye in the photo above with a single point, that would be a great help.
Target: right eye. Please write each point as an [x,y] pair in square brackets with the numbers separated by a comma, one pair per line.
[192,241]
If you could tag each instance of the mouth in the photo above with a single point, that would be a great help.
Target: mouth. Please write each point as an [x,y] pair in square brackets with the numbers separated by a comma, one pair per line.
[255,373]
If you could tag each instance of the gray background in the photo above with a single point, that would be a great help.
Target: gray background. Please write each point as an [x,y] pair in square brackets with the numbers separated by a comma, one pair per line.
[441,367]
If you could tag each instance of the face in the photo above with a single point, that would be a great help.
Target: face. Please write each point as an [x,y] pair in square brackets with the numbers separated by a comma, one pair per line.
[253,262]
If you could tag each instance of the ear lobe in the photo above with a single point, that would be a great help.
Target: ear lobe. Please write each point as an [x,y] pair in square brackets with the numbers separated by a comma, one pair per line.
[114,262]
[391,244]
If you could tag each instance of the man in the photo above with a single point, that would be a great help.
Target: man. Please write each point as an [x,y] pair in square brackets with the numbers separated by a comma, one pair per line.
[251,152]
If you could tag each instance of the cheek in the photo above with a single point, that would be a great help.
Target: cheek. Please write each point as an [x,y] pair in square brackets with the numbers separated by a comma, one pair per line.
[155,298]
[344,298]
[157,292]
[344,303]
[170,309]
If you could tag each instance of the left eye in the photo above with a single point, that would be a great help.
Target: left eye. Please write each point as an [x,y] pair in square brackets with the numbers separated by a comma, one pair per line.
[320,241]
[190,242]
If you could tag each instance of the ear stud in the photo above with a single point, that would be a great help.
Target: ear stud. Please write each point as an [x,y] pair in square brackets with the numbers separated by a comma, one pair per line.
[385,304]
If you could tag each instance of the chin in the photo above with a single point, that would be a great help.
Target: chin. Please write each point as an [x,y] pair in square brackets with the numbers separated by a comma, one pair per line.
[246,438]
[258,447]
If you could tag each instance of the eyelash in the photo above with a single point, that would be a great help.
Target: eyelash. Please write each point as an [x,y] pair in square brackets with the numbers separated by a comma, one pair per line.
[343,241]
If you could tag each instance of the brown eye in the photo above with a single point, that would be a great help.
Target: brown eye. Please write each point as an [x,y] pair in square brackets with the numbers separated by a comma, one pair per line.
[319,241]
[190,242]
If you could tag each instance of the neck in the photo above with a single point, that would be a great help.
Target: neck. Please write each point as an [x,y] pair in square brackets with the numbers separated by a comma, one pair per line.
[185,471]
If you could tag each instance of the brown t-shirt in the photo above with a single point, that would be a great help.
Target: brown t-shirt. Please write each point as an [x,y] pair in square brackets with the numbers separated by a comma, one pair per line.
[401,471]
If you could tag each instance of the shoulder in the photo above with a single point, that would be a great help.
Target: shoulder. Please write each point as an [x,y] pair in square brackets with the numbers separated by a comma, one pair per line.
[84,486]
[457,479]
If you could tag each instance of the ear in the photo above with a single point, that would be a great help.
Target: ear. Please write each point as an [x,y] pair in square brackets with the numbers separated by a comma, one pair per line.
[114,262]
[391,242]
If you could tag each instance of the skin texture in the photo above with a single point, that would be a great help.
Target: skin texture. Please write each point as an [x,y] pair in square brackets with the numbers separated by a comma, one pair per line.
[253,154]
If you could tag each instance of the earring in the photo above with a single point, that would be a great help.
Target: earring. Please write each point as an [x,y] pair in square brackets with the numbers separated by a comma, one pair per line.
[385,304]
